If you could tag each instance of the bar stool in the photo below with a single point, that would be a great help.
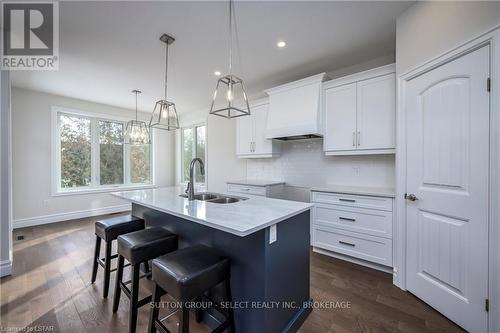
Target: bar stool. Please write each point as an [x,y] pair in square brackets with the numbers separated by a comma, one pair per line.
[139,247]
[108,230]
[186,275]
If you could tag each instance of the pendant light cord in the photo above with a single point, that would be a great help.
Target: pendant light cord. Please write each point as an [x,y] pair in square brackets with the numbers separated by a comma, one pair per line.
[166,68]
[230,37]
[136,92]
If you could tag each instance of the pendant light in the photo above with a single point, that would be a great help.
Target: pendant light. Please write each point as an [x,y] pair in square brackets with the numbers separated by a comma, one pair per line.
[164,114]
[137,132]
[230,85]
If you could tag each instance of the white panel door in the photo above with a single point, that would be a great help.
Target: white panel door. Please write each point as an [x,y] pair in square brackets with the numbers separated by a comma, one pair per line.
[340,118]
[447,133]
[261,145]
[377,113]
[244,135]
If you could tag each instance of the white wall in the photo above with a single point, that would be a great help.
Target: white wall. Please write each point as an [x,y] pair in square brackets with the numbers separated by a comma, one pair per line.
[303,163]
[430,28]
[222,163]
[5,188]
[32,160]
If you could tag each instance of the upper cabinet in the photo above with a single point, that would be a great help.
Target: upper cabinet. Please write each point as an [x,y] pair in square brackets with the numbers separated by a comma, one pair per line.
[250,134]
[360,113]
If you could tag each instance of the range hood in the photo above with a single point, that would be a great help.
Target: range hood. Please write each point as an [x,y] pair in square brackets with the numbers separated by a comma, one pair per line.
[294,110]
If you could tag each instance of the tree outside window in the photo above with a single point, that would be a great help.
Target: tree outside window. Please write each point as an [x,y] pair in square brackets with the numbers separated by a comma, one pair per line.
[91,154]
[193,144]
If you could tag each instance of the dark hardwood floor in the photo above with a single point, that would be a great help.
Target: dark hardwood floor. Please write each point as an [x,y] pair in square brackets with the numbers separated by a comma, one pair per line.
[50,289]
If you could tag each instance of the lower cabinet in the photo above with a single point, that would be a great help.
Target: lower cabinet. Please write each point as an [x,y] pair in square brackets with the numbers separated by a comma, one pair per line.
[343,226]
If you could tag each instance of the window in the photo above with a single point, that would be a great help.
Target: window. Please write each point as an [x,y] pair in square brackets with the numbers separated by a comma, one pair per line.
[193,143]
[90,154]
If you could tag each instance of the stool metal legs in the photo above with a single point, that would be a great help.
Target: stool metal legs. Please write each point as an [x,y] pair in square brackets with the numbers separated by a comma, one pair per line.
[118,289]
[155,323]
[107,269]
[155,310]
[132,293]
[97,252]
[134,297]
[106,264]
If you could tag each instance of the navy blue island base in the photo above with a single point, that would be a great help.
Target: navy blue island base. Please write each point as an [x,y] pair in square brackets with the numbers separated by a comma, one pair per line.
[269,282]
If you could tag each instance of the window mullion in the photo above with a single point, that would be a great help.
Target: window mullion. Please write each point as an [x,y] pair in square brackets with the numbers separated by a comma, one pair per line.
[195,171]
[96,151]
[126,164]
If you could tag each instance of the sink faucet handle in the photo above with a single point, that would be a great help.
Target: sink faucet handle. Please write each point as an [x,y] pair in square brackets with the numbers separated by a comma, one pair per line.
[187,188]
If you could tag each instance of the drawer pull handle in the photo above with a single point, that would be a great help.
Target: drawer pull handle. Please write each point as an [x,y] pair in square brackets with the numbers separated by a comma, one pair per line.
[346,243]
[346,219]
[347,200]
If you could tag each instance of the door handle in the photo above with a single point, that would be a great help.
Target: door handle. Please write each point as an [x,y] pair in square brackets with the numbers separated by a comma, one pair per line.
[347,219]
[411,197]
[346,243]
[347,200]
[354,139]
[359,138]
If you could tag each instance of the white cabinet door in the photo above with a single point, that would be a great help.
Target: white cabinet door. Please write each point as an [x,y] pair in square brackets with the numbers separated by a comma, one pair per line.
[447,135]
[340,118]
[244,135]
[261,144]
[376,99]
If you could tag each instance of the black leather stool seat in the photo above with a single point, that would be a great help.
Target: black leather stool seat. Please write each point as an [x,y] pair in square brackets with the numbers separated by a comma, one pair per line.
[109,229]
[142,245]
[188,272]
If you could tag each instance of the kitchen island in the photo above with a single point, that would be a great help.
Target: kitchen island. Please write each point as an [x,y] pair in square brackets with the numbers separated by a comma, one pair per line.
[267,241]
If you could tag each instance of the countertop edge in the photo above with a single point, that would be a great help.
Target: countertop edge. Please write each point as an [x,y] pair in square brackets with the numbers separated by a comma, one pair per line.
[217,226]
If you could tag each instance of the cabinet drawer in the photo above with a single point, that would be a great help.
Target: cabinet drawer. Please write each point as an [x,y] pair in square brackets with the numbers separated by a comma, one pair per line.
[366,221]
[353,200]
[370,248]
[254,190]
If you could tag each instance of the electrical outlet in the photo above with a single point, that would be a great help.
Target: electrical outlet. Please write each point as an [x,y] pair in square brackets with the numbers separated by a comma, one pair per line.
[45,203]
[273,234]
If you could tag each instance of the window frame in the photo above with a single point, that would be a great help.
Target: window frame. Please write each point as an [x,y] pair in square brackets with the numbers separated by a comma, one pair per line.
[181,152]
[95,186]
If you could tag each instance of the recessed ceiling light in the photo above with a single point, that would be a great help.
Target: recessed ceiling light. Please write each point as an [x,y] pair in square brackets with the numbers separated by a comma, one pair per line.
[217,73]
[281,44]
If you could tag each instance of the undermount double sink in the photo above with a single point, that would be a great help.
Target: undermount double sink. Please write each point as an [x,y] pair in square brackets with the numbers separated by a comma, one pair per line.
[215,198]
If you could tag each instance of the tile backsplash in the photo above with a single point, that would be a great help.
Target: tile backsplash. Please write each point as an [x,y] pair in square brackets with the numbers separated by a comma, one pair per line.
[303,163]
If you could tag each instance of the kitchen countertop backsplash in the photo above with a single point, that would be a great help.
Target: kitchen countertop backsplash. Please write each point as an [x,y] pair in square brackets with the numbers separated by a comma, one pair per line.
[303,163]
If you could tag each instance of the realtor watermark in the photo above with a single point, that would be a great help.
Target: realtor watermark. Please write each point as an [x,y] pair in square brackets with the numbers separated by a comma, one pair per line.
[331,305]
[35,328]
[30,35]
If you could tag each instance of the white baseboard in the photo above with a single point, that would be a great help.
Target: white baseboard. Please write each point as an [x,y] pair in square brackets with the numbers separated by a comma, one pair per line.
[358,261]
[37,220]
[5,268]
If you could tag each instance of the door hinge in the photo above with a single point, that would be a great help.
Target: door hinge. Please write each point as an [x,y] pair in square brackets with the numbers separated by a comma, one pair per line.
[488,85]
[487,305]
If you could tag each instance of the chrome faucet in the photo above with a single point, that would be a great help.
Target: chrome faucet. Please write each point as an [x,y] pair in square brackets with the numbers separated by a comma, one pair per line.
[190,188]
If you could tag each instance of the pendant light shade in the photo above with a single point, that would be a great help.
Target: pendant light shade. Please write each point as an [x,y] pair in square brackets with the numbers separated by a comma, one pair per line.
[164,114]
[230,88]
[137,132]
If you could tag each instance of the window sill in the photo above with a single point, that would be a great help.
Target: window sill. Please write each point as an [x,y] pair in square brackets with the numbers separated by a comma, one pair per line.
[103,190]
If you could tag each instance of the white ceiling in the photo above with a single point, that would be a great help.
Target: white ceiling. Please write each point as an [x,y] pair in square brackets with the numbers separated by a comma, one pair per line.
[109,48]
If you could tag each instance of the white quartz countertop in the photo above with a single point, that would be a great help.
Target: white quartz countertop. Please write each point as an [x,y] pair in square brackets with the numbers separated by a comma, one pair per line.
[240,218]
[358,190]
[256,182]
